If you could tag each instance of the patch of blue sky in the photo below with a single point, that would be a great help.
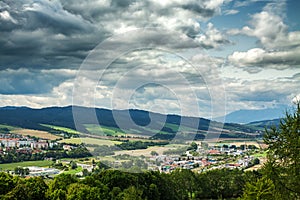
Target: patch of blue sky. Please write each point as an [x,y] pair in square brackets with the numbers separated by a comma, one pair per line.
[293,15]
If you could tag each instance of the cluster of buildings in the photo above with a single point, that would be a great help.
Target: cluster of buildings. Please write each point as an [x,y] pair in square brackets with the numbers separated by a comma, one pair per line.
[171,163]
[41,171]
[19,141]
[213,158]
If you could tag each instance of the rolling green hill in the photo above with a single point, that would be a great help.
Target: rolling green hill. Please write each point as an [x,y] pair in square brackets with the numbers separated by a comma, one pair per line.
[117,122]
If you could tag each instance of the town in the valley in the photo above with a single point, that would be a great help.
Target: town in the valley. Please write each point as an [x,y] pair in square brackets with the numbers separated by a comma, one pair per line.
[79,159]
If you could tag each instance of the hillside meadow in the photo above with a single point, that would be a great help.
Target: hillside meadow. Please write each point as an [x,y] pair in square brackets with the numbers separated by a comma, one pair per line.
[36,133]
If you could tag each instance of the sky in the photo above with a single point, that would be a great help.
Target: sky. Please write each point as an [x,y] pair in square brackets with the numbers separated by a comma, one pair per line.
[198,58]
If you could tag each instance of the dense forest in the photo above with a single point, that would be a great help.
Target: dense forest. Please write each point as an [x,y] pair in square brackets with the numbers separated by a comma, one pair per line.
[12,155]
[113,184]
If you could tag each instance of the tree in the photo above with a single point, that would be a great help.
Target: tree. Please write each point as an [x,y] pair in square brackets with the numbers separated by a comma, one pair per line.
[193,146]
[114,178]
[19,192]
[33,188]
[154,153]
[153,192]
[185,183]
[115,193]
[220,183]
[85,172]
[73,164]
[252,146]
[6,183]
[78,191]
[256,161]
[97,190]
[283,165]
[132,193]
[58,195]
[58,186]
[21,171]
[262,189]
[36,188]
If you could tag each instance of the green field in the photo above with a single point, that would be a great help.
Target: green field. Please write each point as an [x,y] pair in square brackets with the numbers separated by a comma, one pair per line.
[60,128]
[103,130]
[10,128]
[36,133]
[176,127]
[73,171]
[260,154]
[12,166]
[89,141]
[176,145]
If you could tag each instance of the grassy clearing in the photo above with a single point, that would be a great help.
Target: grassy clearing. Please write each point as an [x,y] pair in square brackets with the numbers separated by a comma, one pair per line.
[145,152]
[36,133]
[134,131]
[154,131]
[73,171]
[176,127]
[60,128]
[105,158]
[103,130]
[176,145]
[12,166]
[90,141]
[260,154]
[239,143]
[10,128]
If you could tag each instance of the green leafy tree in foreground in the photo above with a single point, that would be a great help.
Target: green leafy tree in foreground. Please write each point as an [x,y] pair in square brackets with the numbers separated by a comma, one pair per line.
[7,183]
[283,165]
[33,188]
[132,193]
[57,188]
[281,173]
[262,189]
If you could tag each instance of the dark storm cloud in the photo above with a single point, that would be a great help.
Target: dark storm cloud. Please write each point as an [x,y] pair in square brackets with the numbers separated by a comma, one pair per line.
[32,15]
[296,77]
[204,12]
[60,34]
[41,34]
[24,81]
[121,3]
[264,96]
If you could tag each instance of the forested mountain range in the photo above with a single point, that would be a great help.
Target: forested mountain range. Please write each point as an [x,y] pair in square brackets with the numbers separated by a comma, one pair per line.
[144,122]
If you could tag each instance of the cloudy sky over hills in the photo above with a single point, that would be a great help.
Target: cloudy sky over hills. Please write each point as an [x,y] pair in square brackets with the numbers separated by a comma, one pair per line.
[202,58]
